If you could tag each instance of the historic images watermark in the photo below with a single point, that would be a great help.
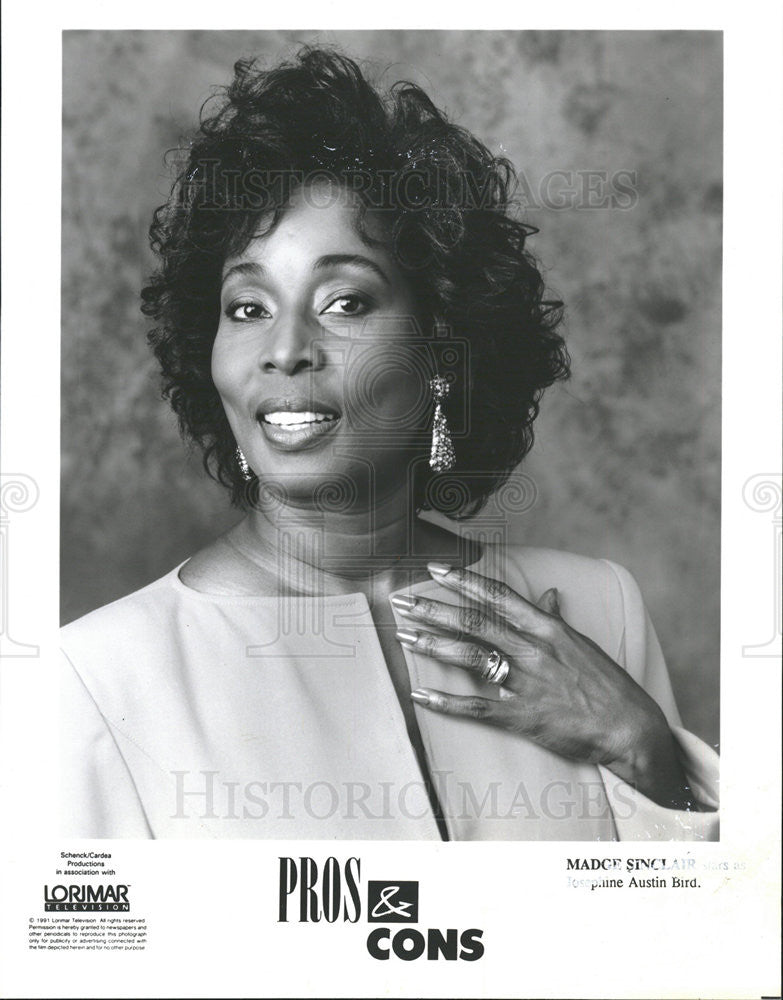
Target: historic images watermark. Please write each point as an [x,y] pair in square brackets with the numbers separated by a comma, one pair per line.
[764,493]
[209,795]
[18,494]
[412,354]
[294,616]
[419,186]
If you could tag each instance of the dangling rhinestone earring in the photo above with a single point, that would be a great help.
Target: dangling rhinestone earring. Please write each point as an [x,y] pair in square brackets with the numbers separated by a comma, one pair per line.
[442,457]
[244,468]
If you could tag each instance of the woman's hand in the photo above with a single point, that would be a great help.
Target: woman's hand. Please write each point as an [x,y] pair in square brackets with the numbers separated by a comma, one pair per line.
[562,690]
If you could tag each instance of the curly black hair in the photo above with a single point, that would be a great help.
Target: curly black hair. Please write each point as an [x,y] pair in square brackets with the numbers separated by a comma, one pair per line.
[452,228]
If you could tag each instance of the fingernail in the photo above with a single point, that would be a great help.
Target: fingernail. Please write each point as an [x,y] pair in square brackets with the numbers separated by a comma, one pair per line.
[420,697]
[408,635]
[438,569]
[404,601]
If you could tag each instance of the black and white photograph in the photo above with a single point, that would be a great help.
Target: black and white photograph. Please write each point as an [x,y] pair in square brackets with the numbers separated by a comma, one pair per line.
[439,314]
[390,507]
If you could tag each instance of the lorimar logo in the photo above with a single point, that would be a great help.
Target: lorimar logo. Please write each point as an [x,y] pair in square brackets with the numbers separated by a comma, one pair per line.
[86,898]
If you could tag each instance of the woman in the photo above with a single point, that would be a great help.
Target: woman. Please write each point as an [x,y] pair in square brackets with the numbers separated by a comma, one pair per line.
[349,325]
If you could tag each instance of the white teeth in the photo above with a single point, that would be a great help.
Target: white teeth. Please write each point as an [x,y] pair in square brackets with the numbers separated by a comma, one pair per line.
[286,418]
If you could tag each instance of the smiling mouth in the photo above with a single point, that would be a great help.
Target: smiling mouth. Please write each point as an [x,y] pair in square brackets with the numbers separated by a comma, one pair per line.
[296,420]
[292,430]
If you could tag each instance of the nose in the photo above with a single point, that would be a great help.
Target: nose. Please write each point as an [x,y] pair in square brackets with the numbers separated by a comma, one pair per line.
[292,345]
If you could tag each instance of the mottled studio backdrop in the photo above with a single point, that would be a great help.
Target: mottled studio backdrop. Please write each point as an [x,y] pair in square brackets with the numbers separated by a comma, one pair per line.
[627,461]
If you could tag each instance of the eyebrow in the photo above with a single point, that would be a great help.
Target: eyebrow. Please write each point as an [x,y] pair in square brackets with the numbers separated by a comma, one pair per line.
[352,259]
[246,267]
[254,269]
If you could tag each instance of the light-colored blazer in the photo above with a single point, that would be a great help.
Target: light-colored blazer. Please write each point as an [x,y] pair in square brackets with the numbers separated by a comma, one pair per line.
[192,715]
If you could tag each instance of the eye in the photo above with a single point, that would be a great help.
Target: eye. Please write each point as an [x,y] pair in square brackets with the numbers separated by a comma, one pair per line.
[347,305]
[246,312]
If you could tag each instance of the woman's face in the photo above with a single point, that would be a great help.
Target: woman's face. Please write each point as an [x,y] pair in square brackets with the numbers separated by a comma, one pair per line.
[319,357]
